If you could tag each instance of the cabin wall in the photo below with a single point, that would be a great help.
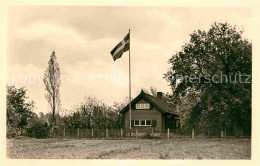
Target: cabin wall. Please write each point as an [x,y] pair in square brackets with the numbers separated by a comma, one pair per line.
[151,114]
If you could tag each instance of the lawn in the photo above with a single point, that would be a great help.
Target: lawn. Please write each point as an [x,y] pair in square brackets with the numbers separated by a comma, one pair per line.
[129,149]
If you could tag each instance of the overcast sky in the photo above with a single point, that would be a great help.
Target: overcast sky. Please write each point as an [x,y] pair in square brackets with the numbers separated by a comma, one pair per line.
[83,37]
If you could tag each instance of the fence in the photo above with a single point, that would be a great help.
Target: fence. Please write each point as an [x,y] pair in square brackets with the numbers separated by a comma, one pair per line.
[142,133]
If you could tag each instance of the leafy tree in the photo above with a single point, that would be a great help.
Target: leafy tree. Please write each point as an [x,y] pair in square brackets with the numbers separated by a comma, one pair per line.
[220,50]
[52,84]
[119,118]
[19,111]
[93,113]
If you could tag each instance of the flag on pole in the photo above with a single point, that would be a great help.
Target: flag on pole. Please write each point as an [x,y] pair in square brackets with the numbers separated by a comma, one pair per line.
[121,47]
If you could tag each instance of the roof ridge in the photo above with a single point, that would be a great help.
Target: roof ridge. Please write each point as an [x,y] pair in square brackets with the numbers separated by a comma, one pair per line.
[157,98]
[163,106]
[160,100]
[151,95]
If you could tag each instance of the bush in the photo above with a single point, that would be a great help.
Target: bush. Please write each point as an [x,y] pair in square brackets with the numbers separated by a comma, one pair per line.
[12,132]
[39,130]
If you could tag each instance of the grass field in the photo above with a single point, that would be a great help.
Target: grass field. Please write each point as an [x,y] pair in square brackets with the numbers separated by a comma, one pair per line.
[129,149]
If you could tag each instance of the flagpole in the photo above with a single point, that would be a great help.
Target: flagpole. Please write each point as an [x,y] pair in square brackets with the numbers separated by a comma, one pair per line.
[129,84]
[202,120]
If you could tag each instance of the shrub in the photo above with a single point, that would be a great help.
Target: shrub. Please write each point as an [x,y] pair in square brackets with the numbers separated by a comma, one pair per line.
[12,132]
[39,130]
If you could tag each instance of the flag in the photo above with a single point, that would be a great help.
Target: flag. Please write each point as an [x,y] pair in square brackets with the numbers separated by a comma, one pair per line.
[121,47]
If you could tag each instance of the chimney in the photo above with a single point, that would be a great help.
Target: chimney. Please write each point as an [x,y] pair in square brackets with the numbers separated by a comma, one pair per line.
[159,95]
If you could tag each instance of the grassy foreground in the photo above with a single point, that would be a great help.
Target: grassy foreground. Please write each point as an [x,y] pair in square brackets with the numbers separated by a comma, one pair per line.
[129,149]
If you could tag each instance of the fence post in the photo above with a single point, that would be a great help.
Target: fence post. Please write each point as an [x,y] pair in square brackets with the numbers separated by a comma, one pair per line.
[136,133]
[121,132]
[225,133]
[168,135]
[192,133]
[106,132]
[221,133]
[64,132]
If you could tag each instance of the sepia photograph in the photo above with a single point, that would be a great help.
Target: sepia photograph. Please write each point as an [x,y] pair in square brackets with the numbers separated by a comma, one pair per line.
[128,82]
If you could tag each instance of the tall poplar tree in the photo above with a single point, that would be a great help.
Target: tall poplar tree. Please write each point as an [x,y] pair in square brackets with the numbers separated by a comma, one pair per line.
[52,84]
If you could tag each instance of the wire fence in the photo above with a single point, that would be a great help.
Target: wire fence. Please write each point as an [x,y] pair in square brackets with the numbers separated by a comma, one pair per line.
[62,132]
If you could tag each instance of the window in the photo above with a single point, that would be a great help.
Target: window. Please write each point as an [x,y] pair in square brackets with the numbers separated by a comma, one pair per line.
[143,106]
[148,123]
[142,122]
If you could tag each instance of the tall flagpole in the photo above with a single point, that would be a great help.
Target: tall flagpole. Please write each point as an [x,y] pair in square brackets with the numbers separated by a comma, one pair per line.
[202,122]
[129,83]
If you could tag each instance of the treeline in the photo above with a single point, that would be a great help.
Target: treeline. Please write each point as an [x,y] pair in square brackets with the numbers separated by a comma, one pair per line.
[91,113]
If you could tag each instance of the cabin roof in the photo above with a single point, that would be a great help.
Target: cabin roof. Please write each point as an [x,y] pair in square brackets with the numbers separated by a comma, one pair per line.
[158,103]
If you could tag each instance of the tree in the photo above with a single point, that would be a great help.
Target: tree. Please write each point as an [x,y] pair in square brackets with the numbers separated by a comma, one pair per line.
[52,84]
[152,91]
[19,111]
[117,107]
[93,113]
[221,50]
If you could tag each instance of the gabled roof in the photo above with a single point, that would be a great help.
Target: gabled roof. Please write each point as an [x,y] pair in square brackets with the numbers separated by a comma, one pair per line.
[159,104]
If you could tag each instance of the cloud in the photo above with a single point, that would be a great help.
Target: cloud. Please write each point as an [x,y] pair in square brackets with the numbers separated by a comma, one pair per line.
[49,30]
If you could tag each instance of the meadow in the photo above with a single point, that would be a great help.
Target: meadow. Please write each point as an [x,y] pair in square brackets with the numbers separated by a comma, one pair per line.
[28,148]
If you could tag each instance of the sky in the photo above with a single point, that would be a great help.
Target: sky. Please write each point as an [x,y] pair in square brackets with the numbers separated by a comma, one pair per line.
[83,36]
